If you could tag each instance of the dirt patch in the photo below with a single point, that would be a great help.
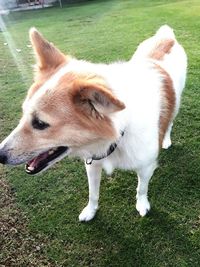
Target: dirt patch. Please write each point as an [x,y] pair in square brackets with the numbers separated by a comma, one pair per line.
[17,246]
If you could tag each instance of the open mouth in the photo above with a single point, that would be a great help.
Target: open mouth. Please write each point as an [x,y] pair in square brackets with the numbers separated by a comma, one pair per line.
[45,159]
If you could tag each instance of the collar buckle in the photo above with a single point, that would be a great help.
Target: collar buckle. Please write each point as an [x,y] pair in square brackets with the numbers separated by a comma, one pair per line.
[89,161]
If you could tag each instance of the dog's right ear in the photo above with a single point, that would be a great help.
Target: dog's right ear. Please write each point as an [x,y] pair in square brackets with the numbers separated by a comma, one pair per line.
[95,99]
[47,55]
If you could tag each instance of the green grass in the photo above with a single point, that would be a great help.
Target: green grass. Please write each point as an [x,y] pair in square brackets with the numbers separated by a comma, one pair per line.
[170,234]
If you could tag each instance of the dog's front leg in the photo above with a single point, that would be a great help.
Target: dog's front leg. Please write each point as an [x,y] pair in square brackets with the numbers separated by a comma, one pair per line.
[144,176]
[94,179]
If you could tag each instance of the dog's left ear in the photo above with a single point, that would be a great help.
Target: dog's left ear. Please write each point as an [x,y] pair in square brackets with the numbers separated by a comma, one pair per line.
[94,97]
[48,56]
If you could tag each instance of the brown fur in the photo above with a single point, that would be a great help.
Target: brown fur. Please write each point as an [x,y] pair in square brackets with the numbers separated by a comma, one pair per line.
[41,76]
[73,95]
[161,49]
[76,109]
[82,102]
[69,107]
[49,60]
[168,103]
[47,54]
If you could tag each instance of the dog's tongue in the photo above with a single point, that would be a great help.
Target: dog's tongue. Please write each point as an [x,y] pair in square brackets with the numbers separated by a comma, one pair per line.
[35,162]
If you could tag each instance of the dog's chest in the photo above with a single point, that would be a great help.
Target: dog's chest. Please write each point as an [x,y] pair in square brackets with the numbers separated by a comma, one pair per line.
[122,158]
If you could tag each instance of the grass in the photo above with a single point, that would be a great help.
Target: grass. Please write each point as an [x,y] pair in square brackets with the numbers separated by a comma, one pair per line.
[46,207]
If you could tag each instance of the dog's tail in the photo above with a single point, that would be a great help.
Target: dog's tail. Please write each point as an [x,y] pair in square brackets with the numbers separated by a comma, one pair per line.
[165,32]
[157,46]
[163,43]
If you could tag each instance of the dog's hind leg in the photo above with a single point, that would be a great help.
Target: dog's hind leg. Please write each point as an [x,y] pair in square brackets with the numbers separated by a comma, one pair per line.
[94,179]
[167,139]
[144,176]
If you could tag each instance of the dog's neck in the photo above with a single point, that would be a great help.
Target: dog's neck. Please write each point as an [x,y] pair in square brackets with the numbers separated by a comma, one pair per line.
[109,151]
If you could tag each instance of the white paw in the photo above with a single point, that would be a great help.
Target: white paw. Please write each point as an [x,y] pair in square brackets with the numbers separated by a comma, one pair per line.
[87,214]
[166,143]
[142,206]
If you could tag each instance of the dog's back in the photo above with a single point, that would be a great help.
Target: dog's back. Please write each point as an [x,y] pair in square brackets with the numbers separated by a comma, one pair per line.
[164,50]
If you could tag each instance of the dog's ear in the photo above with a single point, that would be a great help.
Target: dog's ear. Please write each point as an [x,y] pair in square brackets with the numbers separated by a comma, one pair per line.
[96,99]
[47,55]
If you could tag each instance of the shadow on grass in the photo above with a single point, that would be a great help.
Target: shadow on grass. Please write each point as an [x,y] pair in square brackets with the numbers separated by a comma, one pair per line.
[163,238]
[156,240]
[118,236]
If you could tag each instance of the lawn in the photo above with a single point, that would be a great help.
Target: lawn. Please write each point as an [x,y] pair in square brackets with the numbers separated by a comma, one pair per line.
[39,215]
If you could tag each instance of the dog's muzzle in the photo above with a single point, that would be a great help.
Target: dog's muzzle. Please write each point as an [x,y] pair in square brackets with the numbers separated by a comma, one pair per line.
[45,159]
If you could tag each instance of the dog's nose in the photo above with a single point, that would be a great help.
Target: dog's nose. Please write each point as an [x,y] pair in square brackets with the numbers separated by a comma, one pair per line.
[3,158]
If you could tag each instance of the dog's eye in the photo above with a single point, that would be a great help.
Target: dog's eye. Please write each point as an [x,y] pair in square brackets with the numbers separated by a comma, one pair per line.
[38,124]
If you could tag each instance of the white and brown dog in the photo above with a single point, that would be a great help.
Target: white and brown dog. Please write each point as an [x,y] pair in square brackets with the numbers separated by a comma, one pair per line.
[113,116]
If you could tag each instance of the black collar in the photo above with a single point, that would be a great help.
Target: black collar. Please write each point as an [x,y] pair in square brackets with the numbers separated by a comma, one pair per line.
[110,150]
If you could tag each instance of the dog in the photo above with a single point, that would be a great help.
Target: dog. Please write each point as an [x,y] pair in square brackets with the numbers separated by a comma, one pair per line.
[115,115]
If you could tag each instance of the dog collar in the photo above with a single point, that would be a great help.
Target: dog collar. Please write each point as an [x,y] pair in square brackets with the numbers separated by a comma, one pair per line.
[110,150]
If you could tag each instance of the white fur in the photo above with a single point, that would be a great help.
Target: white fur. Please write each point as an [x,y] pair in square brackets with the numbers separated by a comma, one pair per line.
[138,84]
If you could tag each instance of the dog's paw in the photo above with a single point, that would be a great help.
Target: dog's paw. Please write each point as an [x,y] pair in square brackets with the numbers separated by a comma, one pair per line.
[142,206]
[87,214]
[166,143]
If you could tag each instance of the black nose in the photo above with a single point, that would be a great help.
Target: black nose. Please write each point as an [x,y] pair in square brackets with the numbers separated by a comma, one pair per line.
[3,159]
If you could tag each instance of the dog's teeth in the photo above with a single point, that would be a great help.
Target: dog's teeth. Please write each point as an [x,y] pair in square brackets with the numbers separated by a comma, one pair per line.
[30,168]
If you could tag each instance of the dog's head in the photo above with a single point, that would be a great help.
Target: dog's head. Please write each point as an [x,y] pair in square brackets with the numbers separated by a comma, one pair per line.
[68,108]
